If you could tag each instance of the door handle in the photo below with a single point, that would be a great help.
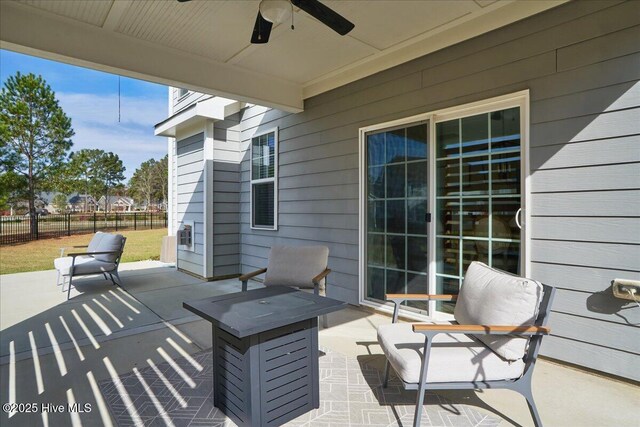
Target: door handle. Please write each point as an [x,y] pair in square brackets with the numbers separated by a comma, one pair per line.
[517,218]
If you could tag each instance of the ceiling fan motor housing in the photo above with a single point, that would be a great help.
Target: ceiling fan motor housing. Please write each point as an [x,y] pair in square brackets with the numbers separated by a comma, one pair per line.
[275,11]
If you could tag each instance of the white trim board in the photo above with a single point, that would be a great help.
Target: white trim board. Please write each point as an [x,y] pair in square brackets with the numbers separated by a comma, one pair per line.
[207,204]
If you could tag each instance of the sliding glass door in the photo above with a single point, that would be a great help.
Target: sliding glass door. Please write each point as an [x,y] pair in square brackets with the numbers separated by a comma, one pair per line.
[397,211]
[441,193]
[478,196]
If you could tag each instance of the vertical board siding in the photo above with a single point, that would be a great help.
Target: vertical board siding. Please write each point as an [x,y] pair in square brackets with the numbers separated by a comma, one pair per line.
[190,198]
[581,63]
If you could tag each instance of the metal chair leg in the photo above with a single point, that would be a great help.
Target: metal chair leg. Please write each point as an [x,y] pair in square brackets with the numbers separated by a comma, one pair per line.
[325,321]
[58,279]
[423,381]
[244,285]
[523,386]
[534,411]
[69,289]
[105,276]
[385,377]
[119,281]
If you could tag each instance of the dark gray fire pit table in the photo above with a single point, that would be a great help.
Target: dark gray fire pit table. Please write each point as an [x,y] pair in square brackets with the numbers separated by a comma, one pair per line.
[265,352]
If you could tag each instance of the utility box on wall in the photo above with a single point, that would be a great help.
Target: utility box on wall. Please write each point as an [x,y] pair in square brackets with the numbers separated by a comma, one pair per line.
[185,236]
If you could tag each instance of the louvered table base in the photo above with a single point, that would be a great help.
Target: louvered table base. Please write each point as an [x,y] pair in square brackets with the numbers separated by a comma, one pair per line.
[268,378]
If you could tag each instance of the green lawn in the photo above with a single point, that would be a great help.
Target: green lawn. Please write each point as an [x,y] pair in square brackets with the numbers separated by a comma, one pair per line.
[39,254]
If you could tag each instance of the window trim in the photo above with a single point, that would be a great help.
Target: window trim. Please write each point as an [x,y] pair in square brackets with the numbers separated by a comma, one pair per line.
[179,96]
[252,181]
[515,99]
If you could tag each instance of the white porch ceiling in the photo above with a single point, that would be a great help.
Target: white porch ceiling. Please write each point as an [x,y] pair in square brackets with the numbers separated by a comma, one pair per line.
[204,45]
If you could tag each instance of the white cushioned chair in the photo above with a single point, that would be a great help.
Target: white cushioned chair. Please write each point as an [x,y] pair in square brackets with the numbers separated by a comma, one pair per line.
[494,341]
[302,267]
[102,257]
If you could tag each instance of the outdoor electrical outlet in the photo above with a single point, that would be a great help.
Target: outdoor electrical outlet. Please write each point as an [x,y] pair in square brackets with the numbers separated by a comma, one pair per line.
[626,289]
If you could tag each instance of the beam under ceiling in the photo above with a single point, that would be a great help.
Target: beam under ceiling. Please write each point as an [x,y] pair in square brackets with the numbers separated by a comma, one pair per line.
[27,30]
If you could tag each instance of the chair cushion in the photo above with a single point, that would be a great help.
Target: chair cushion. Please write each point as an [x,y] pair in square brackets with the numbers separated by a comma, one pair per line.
[296,265]
[453,358]
[83,265]
[109,242]
[95,242]
[493,297]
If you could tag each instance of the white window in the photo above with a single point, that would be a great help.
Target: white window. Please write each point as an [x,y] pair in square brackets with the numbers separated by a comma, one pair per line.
[264,186]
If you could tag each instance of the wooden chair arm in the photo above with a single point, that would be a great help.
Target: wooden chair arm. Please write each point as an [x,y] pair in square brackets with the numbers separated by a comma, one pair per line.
[482,329]
[248,276]
[419,297]
[316,280]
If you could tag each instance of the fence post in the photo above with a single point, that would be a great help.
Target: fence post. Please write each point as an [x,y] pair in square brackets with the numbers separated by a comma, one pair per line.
[135,220]
[68,224]
[151,214]
[116,221]
[94,222]
[165,220]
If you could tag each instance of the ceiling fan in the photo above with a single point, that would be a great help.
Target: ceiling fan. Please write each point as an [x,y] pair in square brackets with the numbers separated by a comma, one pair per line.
[275,11]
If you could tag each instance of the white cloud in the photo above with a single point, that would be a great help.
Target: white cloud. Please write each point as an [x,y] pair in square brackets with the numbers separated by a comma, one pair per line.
[132,146]
[103,109]
[95,121]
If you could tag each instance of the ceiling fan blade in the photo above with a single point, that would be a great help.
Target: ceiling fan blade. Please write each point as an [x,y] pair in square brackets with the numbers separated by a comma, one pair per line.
[261,30]
[327,16]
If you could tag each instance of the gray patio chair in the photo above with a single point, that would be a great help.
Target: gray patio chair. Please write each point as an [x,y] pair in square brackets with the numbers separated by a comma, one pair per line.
[102,257]
[494,342]
[302,267]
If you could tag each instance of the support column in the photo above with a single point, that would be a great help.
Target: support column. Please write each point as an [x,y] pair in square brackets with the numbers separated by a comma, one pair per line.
[208,199]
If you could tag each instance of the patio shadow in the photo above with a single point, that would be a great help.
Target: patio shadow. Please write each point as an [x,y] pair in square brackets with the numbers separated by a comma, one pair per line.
[372,367]
[604,302]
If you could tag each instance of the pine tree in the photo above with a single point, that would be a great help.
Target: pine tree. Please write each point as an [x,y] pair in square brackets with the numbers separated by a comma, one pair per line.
[35,135]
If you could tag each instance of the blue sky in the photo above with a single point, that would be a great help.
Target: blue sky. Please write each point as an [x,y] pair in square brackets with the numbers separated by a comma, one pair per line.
[90,98]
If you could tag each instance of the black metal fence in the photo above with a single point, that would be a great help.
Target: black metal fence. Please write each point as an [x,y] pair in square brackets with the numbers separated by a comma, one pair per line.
[18,229]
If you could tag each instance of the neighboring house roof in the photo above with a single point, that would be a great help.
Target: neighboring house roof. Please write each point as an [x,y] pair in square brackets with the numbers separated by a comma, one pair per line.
[117,199]
[80,198]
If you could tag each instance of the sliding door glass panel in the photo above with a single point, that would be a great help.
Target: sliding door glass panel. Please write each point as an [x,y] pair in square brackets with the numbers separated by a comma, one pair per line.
[478,167]
[397,204]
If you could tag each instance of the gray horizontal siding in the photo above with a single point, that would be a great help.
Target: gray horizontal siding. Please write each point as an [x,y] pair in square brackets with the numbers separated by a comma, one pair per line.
[590,153]
[587,229]
[226,218]
[180,103]
[226,197]
[190,198]
[581,63]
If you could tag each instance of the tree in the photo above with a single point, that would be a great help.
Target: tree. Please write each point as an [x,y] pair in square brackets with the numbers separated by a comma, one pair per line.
[35,133]
[95,171]
[162,179]
[143,182]
[80,173]
[12,190]
[60,202]
[109,173]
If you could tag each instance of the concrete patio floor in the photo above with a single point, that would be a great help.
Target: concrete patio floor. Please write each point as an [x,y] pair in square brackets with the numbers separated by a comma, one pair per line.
[56,351]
